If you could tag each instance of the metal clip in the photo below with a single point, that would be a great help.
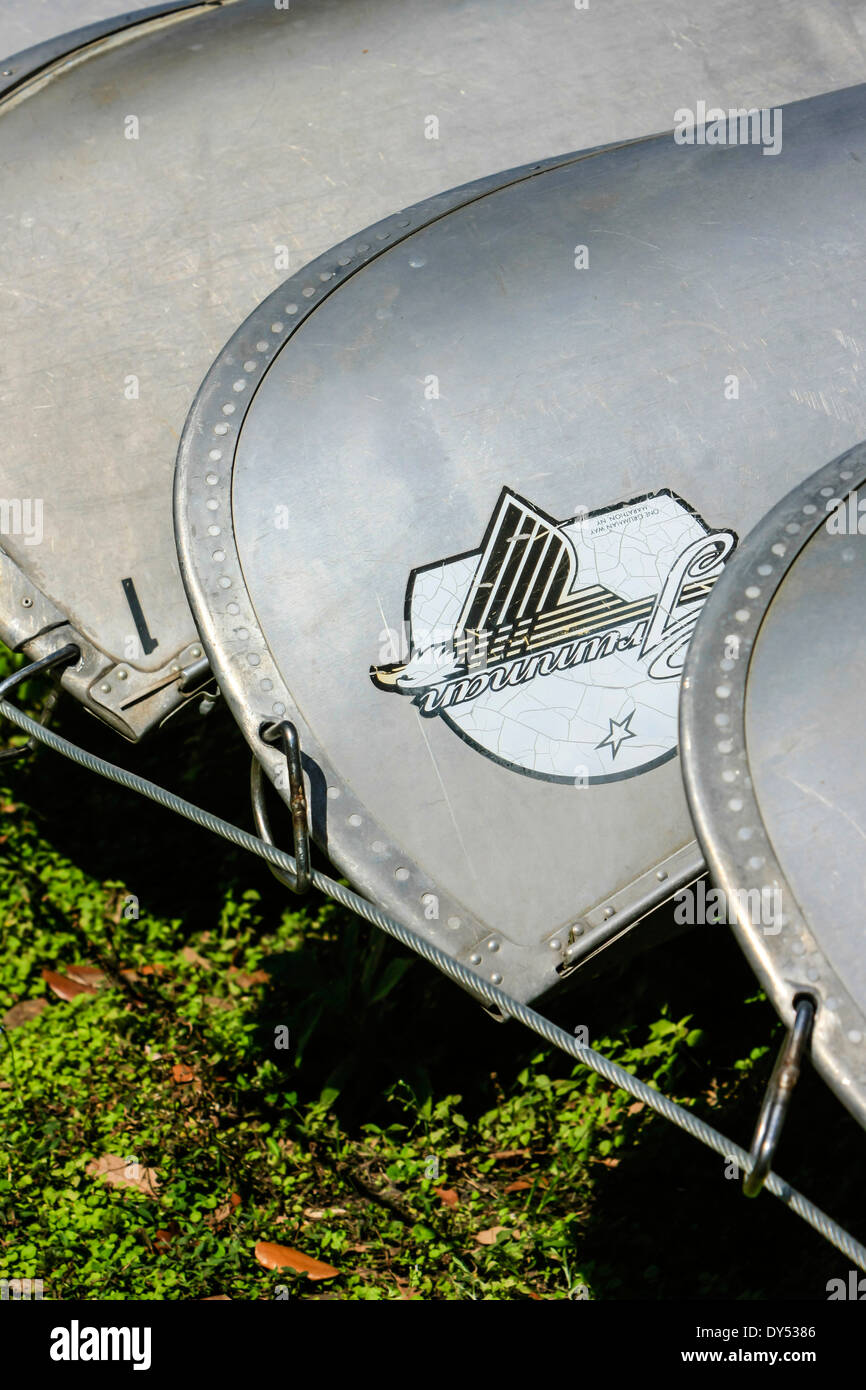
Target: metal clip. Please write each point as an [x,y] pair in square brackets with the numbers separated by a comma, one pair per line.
[285,733]
[45,663]
[778,1095]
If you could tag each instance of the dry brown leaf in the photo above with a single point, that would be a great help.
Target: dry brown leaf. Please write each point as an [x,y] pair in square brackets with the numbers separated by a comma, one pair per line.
[121,1172]
[520,1186]
[636,1108]
[489,1237]
[284,1257]
[222,1213]
[216,1298]
[247,978]
[501,1155]
[448,1196]
[192,957]
[86,974]
[63,987]
[23,1012]
[182,1074]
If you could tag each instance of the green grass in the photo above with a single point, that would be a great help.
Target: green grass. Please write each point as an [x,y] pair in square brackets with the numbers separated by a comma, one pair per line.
[328,1143]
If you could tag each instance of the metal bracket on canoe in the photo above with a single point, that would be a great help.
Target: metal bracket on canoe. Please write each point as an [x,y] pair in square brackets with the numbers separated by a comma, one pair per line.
[286,734]
[777,1098]
[59,658]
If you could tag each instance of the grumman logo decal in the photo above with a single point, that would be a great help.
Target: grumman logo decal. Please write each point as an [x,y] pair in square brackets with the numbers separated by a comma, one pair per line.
[557,647]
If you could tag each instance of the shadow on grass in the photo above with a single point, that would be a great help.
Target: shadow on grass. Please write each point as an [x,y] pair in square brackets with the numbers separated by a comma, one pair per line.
[665,1222]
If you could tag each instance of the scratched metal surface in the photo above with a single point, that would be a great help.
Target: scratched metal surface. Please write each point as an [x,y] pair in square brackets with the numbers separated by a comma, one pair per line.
[573,388]
[126,263]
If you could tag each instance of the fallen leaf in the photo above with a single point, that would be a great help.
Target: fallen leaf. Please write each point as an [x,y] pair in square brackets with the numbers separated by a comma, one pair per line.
[121,1172]
[86,974]
[192,957]
[284,1257]
[182,1073]
[610,1162]
[489,1237]
[448,1196]
[246,979]
[636,1108]
[216,1298]
[502,1154]
[223,1212]
[63,987]
[520,1186]
[23,1012]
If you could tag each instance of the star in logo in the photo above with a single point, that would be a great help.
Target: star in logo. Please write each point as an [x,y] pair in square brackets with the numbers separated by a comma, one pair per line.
[620,730]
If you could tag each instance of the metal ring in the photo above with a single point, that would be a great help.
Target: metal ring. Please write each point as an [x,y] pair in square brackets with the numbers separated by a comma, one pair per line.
[59,658]
[777,1098]
[286,733]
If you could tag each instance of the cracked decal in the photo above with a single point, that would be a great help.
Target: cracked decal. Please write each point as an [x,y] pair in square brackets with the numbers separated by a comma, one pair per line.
[556,648]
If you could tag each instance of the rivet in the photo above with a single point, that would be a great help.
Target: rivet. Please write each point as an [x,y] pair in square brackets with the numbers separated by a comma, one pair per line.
[661,875]
[475,959]
[556,945]
[27,603]
[496,978]
[493,945]
[105,687]
[195,651]
[121,675]
[608,912]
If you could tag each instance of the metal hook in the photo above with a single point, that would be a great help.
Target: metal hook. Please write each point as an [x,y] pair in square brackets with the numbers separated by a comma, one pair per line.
[285,733]
[68,653]
[778,1095]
